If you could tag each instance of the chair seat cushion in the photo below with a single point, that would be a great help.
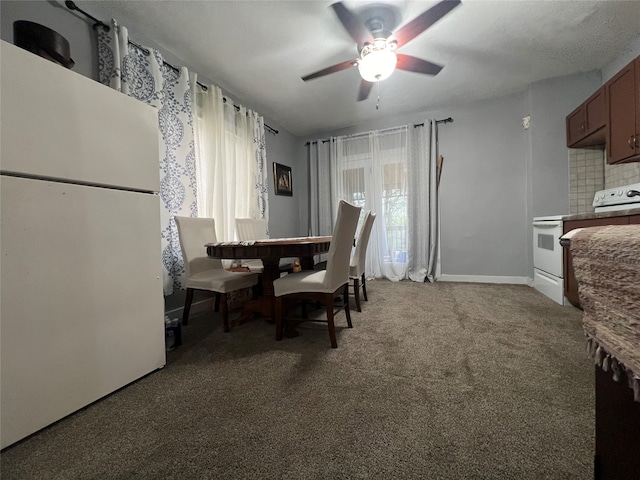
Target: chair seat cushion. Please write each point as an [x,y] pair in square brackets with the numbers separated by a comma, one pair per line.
[306,281]
[219,280]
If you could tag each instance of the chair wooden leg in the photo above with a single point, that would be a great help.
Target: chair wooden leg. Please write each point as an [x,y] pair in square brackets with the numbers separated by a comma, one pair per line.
[364,288]
[277,316]
[356,293]
[216,306]
[187,306]
[332,326]
[346,305]
[224,307]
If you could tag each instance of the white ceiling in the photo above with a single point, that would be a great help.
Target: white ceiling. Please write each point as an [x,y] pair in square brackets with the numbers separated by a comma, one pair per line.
[257,51]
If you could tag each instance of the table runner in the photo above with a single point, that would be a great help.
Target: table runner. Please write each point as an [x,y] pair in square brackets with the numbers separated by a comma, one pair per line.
[606,261]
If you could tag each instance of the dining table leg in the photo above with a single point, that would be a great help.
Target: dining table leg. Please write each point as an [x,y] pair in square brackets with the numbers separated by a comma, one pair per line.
[265,306]
[262,306]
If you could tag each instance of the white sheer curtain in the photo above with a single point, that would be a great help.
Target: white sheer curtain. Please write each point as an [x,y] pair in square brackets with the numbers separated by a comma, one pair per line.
[390,173]
[370,170]
[230,161]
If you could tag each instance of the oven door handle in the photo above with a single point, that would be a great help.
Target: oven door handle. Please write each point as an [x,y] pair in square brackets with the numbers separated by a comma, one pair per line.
[547,224]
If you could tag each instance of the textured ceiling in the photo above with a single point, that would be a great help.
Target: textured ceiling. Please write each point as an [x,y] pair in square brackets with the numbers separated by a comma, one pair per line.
[258,51]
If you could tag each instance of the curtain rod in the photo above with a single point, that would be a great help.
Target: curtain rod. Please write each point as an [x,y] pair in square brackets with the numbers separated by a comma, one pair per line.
[444,120]
[316,141]
[237,108]
[176,69]
[361,134]
[97,23]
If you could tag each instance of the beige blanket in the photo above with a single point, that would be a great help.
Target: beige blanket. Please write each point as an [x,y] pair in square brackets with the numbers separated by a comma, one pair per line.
[606,261]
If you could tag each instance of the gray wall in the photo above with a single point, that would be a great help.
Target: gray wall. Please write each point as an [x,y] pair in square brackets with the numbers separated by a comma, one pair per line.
[483,210]
[285,212]
[550,102]
[55,15]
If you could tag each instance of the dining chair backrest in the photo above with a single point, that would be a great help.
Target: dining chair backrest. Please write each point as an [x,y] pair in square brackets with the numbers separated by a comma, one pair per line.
[337,273]
[360,254]
[194,233]
[251,228]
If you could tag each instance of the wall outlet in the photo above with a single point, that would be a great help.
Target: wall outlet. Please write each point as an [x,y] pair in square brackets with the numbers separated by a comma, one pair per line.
[526,122]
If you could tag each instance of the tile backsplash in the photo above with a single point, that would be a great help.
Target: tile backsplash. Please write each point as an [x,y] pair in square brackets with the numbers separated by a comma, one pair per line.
[622,174]
[589,172]
[586,177]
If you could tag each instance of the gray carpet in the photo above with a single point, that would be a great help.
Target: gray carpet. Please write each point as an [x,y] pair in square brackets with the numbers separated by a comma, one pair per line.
[441,381]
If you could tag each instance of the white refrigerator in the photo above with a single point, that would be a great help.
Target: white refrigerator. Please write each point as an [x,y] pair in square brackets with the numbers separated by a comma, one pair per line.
[82,309]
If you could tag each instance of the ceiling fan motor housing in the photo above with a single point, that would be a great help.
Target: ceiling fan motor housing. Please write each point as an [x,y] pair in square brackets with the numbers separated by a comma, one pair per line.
[376,26]
[377,60]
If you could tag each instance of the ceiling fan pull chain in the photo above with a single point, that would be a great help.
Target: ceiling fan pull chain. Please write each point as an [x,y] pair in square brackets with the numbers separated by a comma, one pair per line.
[378,92]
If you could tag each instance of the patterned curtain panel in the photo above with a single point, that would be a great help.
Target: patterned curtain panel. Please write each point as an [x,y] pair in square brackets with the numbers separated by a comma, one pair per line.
[142,74]
[261,182]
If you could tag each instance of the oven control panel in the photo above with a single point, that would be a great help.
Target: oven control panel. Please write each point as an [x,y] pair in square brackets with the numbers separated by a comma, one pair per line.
[626,197]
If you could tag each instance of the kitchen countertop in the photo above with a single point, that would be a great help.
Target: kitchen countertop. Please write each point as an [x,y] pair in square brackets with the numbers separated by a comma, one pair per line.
[591,215]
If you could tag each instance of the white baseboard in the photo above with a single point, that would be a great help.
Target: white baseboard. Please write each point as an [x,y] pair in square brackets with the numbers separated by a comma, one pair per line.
[196,307]
[485,279]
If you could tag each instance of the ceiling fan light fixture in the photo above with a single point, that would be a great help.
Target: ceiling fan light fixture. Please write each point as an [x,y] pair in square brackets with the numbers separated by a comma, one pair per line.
[377,65]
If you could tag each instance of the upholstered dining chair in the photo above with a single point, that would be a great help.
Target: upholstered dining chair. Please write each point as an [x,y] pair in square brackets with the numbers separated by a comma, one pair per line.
[204,272]
[356,266]
[256,229]
[251,228]
[324,285]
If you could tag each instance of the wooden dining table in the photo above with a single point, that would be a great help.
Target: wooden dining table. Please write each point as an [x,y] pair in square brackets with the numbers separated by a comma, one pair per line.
[270,251]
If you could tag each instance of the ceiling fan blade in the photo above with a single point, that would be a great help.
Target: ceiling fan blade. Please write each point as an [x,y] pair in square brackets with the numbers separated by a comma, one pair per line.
[413,64]
[365,88]
[352,24]
[332,69]
[423,21]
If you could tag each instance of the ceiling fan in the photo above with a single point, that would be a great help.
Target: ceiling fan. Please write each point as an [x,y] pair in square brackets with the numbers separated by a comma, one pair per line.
[377,46]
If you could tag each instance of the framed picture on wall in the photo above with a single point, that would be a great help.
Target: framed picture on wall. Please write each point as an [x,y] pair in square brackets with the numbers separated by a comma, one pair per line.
[282,179]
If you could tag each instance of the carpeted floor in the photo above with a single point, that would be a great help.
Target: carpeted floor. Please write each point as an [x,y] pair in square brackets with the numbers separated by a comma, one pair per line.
[435,381]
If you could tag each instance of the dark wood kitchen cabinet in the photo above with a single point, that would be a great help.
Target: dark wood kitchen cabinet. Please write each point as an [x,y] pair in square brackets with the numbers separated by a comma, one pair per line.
[622,98]
[610,118]
[570,282]
[617,422]
[585,125]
